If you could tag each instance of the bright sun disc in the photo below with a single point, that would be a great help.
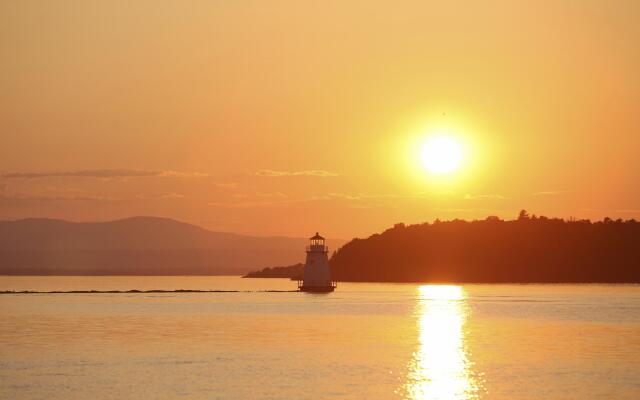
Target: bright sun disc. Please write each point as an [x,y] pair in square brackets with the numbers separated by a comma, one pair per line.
[441,154]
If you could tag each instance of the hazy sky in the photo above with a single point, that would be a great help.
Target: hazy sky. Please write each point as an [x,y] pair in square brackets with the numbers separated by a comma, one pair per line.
[288,117]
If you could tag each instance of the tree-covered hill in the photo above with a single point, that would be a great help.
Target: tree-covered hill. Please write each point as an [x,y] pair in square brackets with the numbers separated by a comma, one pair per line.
[290,271]
[529,249]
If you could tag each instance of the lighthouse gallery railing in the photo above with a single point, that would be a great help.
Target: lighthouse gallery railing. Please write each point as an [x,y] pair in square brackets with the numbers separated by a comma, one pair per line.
[317,247]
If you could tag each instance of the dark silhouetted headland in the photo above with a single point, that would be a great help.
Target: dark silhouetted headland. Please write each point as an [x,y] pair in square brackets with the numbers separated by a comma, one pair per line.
[136,246]
[529,249]
[292,271]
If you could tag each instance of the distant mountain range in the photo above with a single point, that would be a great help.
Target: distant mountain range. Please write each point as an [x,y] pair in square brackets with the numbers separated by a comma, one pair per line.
[137,246]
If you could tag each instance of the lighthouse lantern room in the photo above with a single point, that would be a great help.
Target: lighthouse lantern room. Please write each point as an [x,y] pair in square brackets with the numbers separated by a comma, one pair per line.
[317,274]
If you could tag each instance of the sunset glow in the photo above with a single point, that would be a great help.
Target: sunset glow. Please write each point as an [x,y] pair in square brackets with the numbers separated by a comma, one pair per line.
[245,116]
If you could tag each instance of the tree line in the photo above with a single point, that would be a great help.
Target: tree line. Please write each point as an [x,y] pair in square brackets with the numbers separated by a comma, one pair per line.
[528,249]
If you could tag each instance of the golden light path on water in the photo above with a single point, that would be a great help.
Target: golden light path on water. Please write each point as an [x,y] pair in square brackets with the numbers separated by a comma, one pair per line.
[440,368]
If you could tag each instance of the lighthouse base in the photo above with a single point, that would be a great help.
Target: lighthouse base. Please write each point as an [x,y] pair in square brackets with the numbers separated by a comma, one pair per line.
[317,289]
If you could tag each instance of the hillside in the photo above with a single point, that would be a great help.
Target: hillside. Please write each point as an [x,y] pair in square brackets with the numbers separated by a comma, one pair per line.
[139,245]
[528,249]
[295,271]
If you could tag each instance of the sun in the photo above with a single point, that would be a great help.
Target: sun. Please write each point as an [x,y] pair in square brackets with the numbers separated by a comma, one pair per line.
[441,154]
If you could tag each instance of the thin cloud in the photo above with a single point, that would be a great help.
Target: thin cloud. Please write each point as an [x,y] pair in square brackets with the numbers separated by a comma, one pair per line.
[364,196]
[270,194]
[550,192]
[275,199]
[180,174]
[311,172]
[612,210]
[260,195]
[30,199]
[280,199]
[440,192]
[104,174]
[239,204]
[63,190]
[171,195]
[467,210]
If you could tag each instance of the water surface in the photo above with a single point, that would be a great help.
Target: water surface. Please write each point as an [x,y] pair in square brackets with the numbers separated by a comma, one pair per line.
[373,341]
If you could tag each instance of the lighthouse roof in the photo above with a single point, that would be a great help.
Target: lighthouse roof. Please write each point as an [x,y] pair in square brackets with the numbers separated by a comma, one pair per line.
[316,237]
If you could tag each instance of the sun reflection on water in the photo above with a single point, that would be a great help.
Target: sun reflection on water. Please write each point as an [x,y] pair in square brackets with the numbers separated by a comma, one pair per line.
[440,368]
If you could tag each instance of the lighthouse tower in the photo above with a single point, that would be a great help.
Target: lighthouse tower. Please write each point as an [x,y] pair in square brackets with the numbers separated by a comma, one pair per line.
[317,274]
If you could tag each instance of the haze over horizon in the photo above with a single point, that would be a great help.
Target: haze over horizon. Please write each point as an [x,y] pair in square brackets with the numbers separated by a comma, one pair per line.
[259,119]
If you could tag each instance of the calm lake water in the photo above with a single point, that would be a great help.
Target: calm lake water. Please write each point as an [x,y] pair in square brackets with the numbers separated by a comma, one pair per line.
[365,341]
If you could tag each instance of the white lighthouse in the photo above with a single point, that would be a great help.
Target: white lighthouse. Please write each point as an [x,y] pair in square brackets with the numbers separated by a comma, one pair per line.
[317,274]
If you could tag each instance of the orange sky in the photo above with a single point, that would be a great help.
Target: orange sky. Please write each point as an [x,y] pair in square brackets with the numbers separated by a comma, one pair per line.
[288,117]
